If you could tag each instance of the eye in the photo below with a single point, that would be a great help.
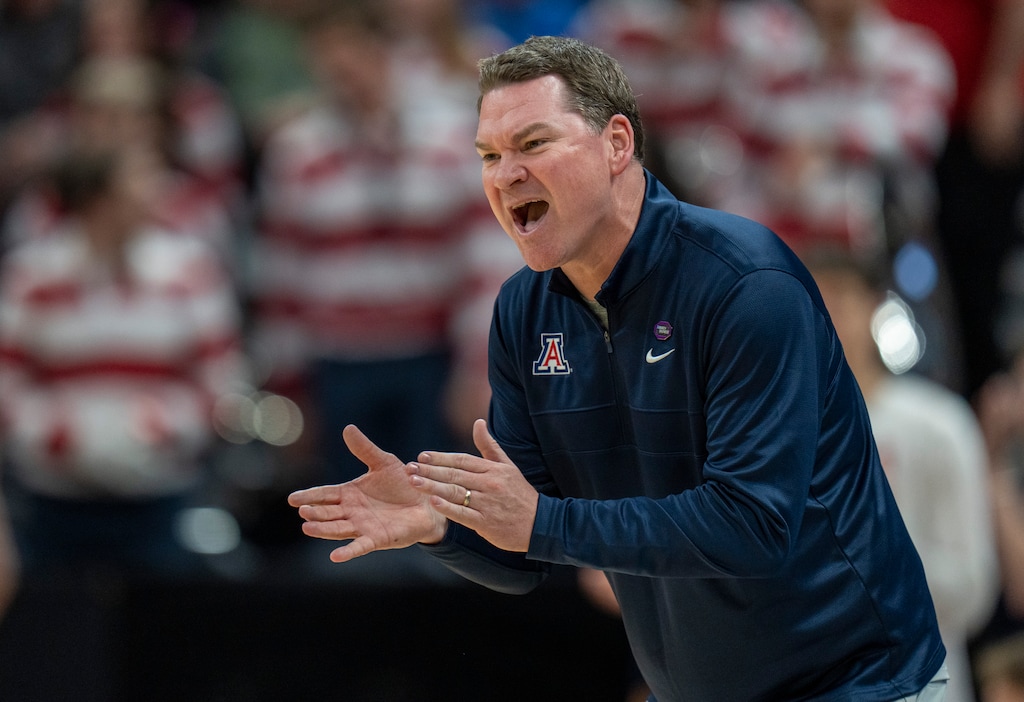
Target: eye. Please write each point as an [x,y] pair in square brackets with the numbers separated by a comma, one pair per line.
[488,157]
[533,143]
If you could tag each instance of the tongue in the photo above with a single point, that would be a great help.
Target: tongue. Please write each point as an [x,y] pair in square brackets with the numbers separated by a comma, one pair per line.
[534,211]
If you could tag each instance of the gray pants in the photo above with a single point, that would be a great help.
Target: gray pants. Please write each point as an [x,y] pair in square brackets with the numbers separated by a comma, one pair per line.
[934,691]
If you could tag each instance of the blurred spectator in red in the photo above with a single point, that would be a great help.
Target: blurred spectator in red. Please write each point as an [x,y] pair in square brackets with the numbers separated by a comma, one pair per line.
[844,111]
[980,174]
[129,84]
[206,135]
[799,115]
[435,37]
[933,452]
[679,56]
[116,338]
[124,100]
[371,217]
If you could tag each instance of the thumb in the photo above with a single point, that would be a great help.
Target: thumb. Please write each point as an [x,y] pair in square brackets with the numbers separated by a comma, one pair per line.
[486,444]
[362,448]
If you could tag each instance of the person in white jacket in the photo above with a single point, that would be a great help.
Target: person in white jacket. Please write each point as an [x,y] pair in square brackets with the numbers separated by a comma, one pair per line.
[933,452]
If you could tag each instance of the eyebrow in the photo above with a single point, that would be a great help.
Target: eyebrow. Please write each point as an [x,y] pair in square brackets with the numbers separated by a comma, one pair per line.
[518,136]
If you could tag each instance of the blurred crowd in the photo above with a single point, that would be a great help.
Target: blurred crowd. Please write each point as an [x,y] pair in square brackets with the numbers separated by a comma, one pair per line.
[230,228]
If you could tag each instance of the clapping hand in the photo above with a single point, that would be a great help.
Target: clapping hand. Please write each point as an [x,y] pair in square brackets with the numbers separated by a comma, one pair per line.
[394,505]
[485,493]
[378,510]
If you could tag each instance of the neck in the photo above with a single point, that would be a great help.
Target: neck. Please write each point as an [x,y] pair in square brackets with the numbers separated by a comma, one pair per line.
[589,273]
[105,240]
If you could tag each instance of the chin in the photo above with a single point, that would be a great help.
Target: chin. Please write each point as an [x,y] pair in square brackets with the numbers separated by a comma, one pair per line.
[537,263]
[538,267]
[538,255]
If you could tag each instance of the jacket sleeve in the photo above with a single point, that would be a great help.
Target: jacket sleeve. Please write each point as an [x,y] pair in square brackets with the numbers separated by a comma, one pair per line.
[464,552]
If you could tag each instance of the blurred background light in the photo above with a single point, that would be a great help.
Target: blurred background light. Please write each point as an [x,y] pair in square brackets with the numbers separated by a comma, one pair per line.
[900,340]
[208,530]
[915,271]
[277,420]
[721,150]
[274,419]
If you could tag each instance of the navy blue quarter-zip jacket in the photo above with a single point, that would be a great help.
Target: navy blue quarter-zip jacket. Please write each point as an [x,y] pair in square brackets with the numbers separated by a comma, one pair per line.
[711,452]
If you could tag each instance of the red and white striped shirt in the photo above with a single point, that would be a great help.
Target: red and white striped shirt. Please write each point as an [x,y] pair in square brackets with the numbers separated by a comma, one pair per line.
[756,119]
[826,136]
[107,383]
[369,247]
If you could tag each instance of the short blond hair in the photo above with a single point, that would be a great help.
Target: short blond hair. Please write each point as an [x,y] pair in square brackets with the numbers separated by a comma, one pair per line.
[597,86]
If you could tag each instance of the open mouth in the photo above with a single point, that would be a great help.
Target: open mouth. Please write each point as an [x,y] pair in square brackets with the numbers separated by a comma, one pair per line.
[528,214]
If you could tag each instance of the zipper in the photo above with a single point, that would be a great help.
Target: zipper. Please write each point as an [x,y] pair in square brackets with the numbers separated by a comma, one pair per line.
[619,391]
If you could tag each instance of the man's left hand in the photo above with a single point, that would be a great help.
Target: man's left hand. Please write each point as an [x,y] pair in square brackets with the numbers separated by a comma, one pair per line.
[485,493]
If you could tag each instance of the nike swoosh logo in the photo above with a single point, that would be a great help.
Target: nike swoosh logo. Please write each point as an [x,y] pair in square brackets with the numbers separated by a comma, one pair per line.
[651,358]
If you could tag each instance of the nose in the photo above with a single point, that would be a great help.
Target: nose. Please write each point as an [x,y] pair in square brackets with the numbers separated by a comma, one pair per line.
[509,171]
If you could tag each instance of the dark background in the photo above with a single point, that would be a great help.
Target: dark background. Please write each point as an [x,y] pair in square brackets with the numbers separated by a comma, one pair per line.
[355,639]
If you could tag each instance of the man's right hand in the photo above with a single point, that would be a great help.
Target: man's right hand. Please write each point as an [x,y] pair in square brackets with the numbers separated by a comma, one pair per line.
[378,510]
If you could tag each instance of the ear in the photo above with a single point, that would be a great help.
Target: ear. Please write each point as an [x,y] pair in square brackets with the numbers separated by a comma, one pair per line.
[620,142]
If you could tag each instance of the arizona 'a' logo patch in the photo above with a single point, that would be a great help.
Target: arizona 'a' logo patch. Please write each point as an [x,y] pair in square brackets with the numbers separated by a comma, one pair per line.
[552,357]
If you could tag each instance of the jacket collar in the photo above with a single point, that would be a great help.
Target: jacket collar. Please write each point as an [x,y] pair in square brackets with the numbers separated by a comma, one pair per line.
[642,253]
